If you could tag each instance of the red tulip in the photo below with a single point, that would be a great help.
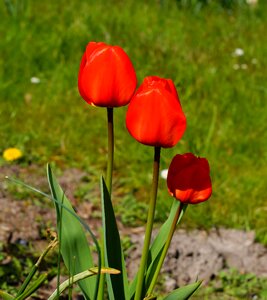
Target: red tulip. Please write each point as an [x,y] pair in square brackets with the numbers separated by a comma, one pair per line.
[106,76]
[189,178]
[155,115]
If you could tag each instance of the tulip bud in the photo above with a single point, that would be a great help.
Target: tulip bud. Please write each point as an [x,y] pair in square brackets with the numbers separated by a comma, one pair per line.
[155,115]
[106,77]
[188,179]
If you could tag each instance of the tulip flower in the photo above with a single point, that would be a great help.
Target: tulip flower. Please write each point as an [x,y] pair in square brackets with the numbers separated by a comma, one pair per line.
[189,182]
[155,115]
[106,77]
[189,179]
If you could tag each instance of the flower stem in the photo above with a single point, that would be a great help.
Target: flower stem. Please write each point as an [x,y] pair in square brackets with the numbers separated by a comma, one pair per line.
[110,149]
[101,286]
[177,217]
[149,226]
[109,187]
[35,267]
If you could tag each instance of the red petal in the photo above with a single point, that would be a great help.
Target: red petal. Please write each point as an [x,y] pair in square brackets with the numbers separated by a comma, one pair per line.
[108,77]
[189,179]
[154,116]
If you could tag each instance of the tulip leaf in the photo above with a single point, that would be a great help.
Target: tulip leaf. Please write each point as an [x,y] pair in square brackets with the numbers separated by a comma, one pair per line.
[114,258]
[184,292]
[32,288]
[157,247]
[88,273]
[73,244]
[158,244]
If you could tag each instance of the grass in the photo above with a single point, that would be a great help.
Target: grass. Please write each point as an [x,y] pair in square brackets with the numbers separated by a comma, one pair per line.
[232,285]
[225,106]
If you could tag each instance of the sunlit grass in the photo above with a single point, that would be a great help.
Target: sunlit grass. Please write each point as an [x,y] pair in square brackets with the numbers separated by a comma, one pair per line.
[222,95]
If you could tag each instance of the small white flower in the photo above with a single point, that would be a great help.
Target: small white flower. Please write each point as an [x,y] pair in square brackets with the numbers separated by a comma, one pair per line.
[254,61]
[164,173]
[35,80]
[238,52]
[236,66]
[244,66]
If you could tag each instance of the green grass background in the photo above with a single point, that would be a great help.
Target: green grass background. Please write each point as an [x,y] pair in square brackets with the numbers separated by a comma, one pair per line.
[225,108]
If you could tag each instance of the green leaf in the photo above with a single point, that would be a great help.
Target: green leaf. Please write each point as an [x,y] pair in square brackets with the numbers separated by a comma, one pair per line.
[33,287]
[6,296]
[152,297]
[162,235]
[117,285]
[157,247]
[74,246]
[184,293]
[88,273]
[160,240]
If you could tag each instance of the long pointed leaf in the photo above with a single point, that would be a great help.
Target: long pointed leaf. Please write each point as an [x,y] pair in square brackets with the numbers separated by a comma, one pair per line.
[184,292]
[88,273]
[73,214]
[74,246]
[157,247]
[33,287]
[117,285]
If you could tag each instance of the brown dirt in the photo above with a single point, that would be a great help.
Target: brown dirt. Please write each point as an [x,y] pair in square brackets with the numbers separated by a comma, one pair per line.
[194,254]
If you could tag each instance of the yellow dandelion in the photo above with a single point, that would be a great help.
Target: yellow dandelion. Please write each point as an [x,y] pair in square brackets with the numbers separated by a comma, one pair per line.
[11,154]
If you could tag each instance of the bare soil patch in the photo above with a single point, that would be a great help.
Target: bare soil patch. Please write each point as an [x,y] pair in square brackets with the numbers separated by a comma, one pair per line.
[193,254]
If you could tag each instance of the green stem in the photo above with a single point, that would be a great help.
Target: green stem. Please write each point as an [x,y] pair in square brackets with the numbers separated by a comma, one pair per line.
[34,287]
[80,276]
[180,211]
[149,226]
[101,287]
[110,149]
[35,267]
[59,245]
[109,187]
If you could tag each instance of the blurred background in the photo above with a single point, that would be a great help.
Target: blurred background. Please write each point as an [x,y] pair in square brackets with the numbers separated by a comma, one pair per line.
[214,51]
